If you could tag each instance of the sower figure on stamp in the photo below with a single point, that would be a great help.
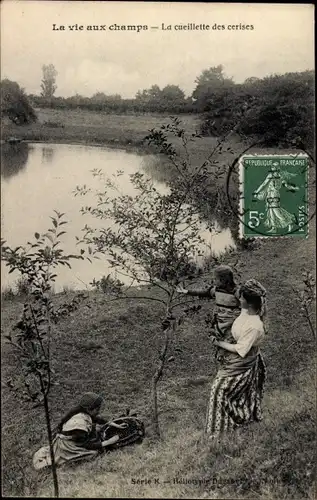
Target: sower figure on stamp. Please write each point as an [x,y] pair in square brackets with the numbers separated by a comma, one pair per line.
[276,216]
[225,292]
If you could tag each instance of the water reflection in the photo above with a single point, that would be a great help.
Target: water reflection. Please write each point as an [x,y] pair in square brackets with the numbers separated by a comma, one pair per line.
[47,154]
[212,203]
[14,158]
[28,200]
[159,168]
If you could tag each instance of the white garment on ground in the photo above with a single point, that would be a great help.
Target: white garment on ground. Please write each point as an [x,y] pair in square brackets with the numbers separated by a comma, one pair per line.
[65,448]
[79,422]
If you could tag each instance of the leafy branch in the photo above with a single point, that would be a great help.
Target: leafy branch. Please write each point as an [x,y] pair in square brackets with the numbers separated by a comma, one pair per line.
[31,336]
[154,237]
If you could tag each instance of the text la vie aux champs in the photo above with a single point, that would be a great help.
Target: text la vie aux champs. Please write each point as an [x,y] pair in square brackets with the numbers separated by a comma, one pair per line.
[145,27]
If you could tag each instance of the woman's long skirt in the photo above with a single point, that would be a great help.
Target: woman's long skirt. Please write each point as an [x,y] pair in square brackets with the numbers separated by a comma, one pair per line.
[65,450]
[236,400]
[278,218]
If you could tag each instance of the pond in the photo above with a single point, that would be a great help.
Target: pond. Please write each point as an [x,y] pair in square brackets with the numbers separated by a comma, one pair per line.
[39,178]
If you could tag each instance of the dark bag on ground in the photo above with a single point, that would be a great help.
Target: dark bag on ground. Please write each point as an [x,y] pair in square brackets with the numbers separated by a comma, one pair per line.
[132,432]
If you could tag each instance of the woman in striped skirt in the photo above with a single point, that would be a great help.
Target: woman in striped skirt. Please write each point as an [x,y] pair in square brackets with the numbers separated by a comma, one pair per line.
[236,392]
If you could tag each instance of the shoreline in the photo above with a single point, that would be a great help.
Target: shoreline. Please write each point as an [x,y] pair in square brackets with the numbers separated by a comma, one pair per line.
[134,147]
[91,128]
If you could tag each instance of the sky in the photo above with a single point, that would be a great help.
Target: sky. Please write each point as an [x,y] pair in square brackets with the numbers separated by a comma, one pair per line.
[123,62]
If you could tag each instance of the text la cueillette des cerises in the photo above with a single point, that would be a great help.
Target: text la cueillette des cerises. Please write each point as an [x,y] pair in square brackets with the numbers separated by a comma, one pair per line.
[144,27]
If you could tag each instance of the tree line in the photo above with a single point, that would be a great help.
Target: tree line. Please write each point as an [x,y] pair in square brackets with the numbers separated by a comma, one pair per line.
[170,99]
[279,107]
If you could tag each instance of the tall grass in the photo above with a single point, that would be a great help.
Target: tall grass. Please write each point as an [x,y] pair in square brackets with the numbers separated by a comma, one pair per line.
[271,460]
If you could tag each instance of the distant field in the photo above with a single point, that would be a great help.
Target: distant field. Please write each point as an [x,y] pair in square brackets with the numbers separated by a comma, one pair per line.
[92,127]
[118,131]
[128,131]
[137,123]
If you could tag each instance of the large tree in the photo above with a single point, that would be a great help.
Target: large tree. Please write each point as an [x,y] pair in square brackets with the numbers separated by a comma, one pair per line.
[172,97]
[279,109]
[149,98]
[15,104]
[48,84]
[209,84]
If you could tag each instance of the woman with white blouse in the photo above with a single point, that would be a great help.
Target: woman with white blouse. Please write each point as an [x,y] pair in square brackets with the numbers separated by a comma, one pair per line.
[237,391]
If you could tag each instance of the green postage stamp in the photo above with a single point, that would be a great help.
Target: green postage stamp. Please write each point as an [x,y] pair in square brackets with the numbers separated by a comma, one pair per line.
[273,196]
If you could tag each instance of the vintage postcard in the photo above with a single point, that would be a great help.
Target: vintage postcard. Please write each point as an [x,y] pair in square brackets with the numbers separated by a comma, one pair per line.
[158,250]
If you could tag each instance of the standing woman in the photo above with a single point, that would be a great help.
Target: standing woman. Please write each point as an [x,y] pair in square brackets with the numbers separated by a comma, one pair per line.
[236,392]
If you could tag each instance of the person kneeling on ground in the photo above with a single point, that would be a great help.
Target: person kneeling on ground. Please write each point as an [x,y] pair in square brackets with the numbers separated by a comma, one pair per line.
[77,435]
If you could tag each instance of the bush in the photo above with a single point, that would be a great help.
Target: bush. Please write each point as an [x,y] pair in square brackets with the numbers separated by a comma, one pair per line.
[7,293]
[279,109]
[21,289]
[51,124]
[111,105]
[15,104]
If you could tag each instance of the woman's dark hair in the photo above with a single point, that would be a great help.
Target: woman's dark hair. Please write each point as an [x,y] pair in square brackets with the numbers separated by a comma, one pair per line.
[253,299]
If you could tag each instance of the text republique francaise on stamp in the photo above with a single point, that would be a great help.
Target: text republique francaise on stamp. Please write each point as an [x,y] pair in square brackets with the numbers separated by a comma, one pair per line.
[273,195]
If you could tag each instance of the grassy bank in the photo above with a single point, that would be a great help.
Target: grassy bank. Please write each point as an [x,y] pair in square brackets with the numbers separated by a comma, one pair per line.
[112,347]
[115,131]
[80,126]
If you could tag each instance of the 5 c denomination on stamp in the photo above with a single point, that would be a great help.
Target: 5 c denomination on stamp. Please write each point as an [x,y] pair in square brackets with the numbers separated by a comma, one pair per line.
[273,196]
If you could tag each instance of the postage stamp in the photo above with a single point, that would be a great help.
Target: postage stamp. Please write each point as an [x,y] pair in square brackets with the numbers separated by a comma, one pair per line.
[273,196]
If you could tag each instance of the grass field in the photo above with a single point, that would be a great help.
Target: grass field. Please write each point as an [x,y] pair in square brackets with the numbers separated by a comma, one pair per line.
[91,127]
[112,347]
[116,131]
[128,131]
